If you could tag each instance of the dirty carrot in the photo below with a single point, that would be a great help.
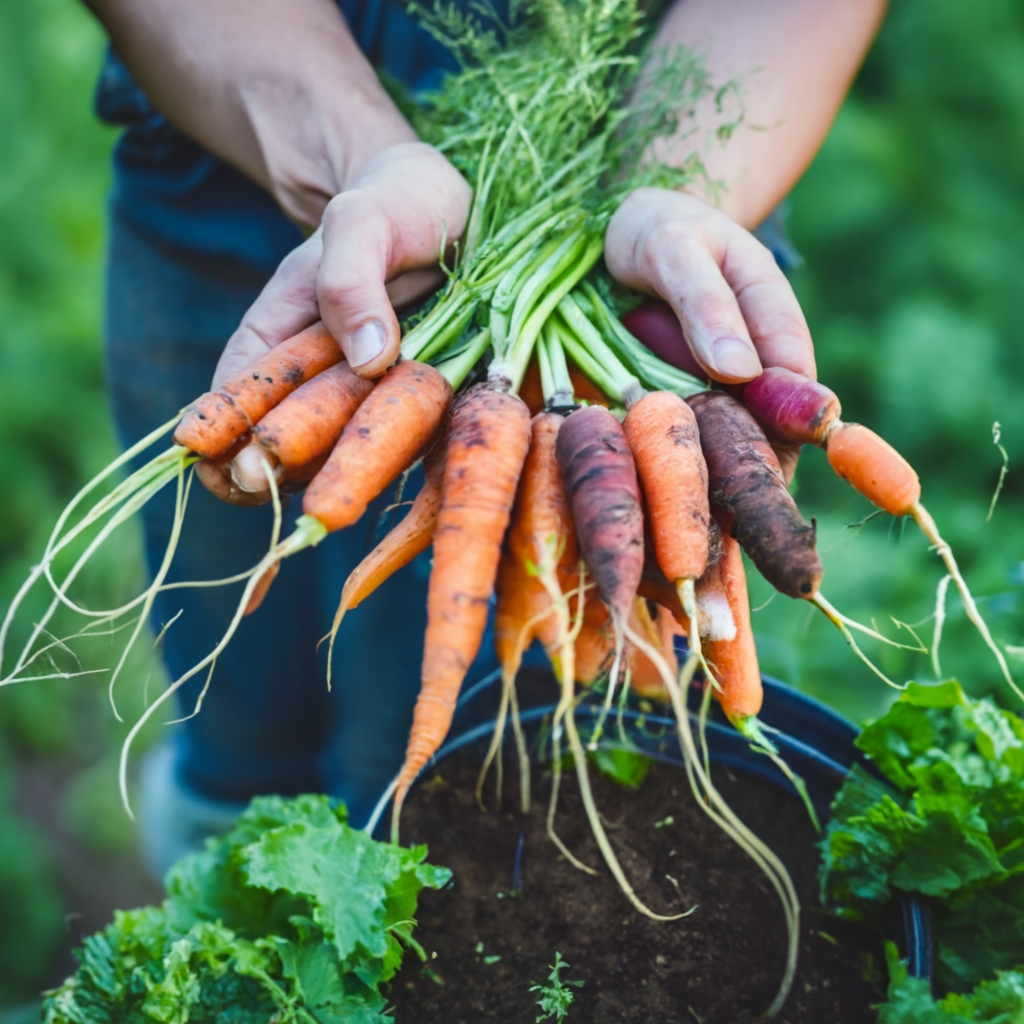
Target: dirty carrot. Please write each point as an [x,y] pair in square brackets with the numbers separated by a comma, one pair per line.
[746,481]
[213,422]
[604,495]
[662,432]
[297,435]
[488,440]
[387,433]
[733,658]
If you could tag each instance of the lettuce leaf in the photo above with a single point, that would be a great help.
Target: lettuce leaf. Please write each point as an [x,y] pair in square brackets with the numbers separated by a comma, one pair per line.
[292,915]
[999,1001]
[947,823]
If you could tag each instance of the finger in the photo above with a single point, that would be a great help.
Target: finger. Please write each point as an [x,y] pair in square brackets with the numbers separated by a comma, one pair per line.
[414,286]
[216,478]
[677,263]
[351,292]
[769,306]
[286,306]
[735,306]
[407,202]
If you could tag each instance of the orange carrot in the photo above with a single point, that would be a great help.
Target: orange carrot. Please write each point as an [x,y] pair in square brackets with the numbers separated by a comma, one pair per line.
[385,436]
[873,467]
[487,444]
[520,599]
[409,538]
[661,630]
[260,591]
[595,644]
[213,422]
[297,435]
[732,659]
[541,527]
[663,436]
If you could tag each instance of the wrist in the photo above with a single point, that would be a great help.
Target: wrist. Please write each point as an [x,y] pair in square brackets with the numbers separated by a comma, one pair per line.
[314,146]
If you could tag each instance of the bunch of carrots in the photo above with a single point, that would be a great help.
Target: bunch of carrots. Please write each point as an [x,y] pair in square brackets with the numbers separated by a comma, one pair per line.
[599,495]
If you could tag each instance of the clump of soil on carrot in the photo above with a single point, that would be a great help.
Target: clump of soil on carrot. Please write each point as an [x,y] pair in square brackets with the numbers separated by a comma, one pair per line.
[721,965]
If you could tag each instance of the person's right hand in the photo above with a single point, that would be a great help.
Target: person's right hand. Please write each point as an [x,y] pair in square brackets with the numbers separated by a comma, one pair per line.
[378,245]
[384,234]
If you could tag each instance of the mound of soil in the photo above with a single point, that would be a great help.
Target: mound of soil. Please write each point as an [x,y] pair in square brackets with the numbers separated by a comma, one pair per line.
[720,965]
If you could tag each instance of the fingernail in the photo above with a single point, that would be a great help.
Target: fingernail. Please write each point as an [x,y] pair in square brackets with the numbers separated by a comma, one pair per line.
[366,342]
[735,358]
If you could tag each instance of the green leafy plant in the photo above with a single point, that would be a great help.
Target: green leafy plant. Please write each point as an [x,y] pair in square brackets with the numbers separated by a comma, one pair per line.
[948,825]
[292,916]
[626,768]
[910,1001]
[556,997]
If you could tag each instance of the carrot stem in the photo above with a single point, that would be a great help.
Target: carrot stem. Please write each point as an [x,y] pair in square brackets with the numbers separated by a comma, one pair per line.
[625,385]
[649,369]
[457,368]
[566,274]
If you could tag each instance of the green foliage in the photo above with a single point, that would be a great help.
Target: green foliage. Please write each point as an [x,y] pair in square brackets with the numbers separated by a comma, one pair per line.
[544,99]
[950,827]
[556,997]
[626,768]
[910,1001]
[292,915]
[910,222]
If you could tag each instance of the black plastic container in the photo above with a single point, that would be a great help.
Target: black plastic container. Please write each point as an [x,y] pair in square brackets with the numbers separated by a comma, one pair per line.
[814,741]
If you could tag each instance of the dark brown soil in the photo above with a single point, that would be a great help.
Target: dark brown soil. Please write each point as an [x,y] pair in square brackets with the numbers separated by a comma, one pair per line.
[721,965]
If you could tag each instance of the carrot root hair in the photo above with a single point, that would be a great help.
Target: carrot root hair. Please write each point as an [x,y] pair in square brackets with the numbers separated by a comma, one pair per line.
[717,809]
[843,624]
[565,714]
[931,531]
[308,533]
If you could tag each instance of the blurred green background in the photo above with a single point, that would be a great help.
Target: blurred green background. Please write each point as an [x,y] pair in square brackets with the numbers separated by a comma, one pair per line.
[910,223]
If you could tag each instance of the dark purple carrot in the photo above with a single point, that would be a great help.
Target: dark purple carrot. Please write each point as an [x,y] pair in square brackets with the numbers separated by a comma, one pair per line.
[604,495]
[746,481]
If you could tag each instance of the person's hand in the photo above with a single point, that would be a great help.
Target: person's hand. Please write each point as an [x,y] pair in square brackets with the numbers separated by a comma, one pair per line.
[379,242]
[736,311]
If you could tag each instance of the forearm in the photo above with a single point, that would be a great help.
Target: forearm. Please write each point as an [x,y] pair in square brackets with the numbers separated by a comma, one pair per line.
[794,61]
[278,88]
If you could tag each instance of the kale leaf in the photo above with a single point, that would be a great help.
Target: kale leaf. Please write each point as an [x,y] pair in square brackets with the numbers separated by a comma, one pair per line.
[292,915]
[947,824]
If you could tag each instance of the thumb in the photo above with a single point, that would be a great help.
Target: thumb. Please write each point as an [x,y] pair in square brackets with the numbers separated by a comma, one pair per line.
[350,287]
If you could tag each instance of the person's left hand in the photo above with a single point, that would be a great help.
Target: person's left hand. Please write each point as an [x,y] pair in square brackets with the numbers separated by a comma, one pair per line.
[736,310]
